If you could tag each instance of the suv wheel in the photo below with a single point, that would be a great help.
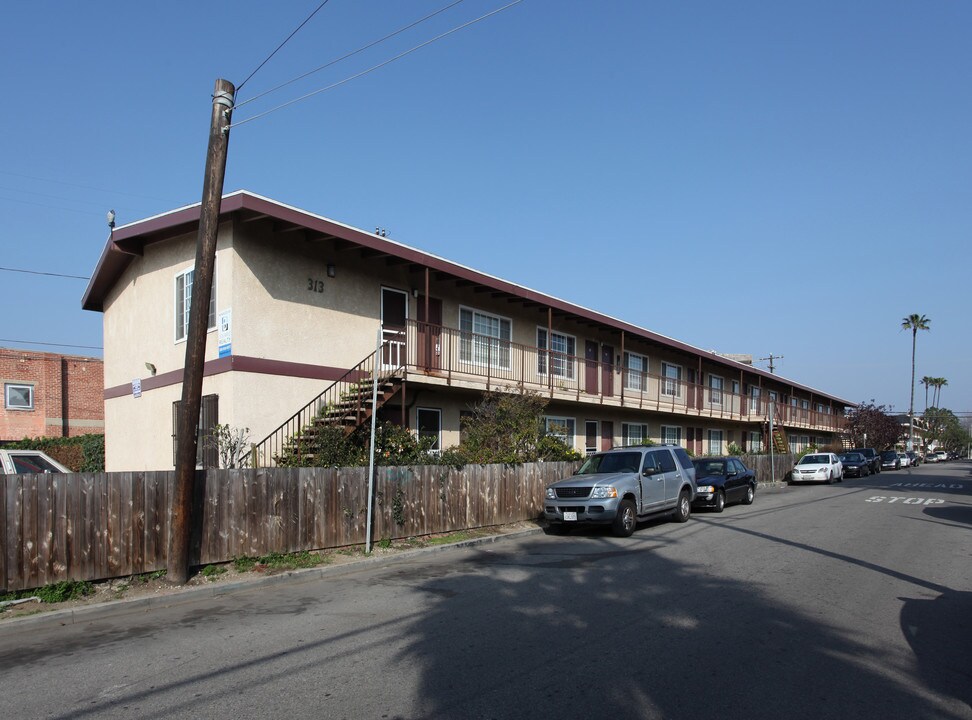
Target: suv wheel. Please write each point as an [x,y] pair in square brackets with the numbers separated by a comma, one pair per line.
[684,507]
[626,520]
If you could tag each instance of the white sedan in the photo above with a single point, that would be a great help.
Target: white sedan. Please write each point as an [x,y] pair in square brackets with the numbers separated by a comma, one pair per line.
[818,467]
[905,460]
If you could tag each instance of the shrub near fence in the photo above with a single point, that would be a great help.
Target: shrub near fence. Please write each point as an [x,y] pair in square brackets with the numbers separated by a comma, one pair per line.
[95,526]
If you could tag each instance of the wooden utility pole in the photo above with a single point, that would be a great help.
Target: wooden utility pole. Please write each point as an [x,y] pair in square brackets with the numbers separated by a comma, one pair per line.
[180,524]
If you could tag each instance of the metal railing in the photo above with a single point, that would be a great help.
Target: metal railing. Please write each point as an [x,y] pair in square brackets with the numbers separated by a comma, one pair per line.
[346,402]
[461,356]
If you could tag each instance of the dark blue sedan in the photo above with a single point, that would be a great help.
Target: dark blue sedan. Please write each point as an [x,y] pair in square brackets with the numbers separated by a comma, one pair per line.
[722,480]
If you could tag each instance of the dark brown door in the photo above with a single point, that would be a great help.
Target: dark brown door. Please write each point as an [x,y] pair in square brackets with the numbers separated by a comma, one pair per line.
[394,311]
[607,370]
[590,367]
[430,334]
[607,434]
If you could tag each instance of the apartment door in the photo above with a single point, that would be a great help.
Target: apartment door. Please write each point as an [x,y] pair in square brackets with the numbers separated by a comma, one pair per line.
[607,370]
[607,434]
[394,311]
[590,367]
[430,334]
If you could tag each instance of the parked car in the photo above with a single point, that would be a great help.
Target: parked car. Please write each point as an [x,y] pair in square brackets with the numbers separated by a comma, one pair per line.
[873,458]
[915,458]
[890,461]
[622,486]
[720,481]
[855,464]
[818,467]
[14,462]
[931,457]
[904,460]
[942,456]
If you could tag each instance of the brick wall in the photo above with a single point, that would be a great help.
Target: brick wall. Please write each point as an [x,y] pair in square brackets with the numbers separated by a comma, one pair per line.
[68,394]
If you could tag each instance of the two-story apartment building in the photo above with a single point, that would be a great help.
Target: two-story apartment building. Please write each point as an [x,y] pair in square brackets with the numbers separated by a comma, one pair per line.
[300,300]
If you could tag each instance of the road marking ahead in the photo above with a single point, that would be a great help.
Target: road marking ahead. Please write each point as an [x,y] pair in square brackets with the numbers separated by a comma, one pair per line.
[933,486]
[904,500]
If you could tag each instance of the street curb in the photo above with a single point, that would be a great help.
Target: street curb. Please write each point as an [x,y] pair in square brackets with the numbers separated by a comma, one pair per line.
[117,608]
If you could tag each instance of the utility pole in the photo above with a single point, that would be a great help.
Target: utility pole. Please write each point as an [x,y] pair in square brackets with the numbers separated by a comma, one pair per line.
[180,524]
[771,358]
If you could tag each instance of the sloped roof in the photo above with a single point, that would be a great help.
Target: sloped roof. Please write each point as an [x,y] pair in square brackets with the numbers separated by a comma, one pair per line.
[129,241]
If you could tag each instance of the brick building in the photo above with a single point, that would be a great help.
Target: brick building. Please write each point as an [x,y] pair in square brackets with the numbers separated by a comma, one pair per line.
[50,395]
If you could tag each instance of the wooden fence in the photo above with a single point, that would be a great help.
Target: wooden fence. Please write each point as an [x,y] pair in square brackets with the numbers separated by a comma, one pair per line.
[94,526]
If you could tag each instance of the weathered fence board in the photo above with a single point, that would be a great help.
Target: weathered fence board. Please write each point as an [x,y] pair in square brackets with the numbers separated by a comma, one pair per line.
[93,526]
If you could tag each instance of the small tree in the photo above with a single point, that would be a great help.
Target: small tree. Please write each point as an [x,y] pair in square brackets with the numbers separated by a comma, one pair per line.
[230,443]
[868,419]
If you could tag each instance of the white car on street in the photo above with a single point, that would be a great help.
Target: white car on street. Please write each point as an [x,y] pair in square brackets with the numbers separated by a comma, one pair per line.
[16,462]
[818,467]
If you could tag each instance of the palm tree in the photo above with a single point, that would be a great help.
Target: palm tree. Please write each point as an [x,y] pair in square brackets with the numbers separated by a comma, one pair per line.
[926,381]
[913,322]
[939,384]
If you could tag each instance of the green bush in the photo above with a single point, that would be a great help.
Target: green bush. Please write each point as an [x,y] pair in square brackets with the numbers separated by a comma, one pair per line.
[81,453]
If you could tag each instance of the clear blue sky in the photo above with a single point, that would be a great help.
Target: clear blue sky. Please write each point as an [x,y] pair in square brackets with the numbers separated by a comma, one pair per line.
[749,177]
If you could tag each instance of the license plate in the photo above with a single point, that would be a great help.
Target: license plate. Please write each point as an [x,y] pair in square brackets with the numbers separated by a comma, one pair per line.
[570,515]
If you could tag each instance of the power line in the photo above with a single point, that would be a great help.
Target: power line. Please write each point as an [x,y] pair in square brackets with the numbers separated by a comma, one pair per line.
[281,45]
[37,272]
[84,187]
[378,66]
[350,54]
[49,207]
[31,342]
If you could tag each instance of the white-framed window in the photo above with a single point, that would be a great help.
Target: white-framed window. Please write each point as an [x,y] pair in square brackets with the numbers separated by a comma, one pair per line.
[429,425]
[634,433]
[754,393]
[18,396]
[820,407]
[715,389]
[715,442]
[562,351]
[485,338]
[561,428]
[671,380]
[755,444]
[183,300]
[671,435]
[635,372]
[734,387]
[804,404]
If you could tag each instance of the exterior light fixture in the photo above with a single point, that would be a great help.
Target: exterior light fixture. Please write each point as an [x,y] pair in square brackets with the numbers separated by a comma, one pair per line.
[331,270]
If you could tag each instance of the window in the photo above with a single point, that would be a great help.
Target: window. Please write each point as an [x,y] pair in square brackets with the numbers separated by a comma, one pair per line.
[429,423]
[18,397]
[635,371]
[753,399]
[671,435]
[561,428]
[207,454]
[715,390]
[561,354]
[672,383]
[755,442]
[485,338]
[183,299]
[734,387]
[634,433]
[715,442]
[666,462]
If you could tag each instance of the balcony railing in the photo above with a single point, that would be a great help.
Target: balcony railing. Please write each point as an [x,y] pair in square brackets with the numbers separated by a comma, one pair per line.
[456,356]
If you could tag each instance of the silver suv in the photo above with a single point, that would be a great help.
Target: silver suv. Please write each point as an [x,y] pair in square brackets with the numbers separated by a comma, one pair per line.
[624,485]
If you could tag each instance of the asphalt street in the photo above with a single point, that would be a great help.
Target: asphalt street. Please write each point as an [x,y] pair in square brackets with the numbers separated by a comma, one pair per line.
[851,600]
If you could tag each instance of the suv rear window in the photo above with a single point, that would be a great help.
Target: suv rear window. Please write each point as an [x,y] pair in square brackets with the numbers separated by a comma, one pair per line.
[665,460]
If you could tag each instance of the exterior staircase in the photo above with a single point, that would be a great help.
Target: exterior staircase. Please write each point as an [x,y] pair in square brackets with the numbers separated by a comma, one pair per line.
[778,441]
[346,404]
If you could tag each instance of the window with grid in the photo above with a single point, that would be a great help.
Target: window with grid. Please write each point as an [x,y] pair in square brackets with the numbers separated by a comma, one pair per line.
[18,397]
[715,442]
[671,435]
[755,442]
[562,350]
[635,372]
[715,389]
[634,433]
[672,380]
[485,338]
[561,428]
[183,301]
[754,399]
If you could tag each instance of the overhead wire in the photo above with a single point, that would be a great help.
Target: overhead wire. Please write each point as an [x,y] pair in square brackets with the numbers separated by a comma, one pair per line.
[374,67]
[281,45]
[350,54]
[31,342]
[38,272]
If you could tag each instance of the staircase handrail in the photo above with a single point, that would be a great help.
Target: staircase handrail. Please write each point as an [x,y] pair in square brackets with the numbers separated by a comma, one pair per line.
[303,417]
